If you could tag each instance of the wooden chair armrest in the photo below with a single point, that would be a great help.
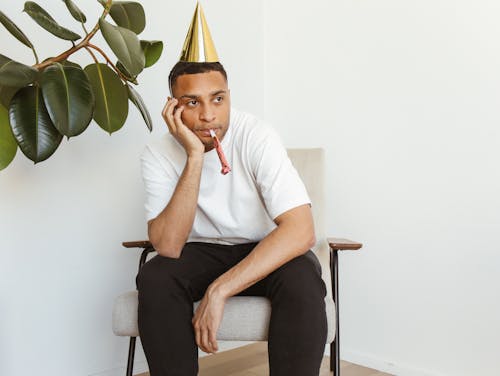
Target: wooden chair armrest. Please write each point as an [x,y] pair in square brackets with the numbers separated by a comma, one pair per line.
[339,244]
[137,244]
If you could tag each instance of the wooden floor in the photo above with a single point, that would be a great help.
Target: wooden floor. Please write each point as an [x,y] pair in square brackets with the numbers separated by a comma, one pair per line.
[251,360]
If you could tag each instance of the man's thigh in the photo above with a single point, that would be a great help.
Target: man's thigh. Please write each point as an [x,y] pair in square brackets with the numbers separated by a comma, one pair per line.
[197,267]
[305,267]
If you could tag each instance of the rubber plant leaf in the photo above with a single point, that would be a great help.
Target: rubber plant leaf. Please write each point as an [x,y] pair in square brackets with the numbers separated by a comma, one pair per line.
[127,75]
[68,97]
[136,99]
[36,136]
[16,74]
[6,94]
[111,99]
[128,14]
[125,45]
[8,144]
[152,51]
[75,11]
[14,30]
[45,20]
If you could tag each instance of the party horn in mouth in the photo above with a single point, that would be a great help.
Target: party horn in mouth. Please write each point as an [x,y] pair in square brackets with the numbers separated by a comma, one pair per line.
[220,153]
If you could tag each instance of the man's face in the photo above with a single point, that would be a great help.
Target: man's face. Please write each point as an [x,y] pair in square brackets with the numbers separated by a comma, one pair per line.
[207,104]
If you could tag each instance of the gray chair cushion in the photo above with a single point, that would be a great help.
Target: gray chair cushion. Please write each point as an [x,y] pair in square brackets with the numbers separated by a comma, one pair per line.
[246,318]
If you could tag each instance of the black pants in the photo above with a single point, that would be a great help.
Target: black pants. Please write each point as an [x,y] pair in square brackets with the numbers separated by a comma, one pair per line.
[168,287]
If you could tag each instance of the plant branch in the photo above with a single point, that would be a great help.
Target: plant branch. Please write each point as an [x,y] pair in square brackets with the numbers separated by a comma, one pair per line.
[72,50]
[92,54]
[118,72]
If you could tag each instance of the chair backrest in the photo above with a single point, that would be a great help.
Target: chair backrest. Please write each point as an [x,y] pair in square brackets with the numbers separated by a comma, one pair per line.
[310,164]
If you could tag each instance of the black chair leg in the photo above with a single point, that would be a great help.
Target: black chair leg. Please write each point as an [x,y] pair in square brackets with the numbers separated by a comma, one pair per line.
[131,349]
[335,345]
[131,352]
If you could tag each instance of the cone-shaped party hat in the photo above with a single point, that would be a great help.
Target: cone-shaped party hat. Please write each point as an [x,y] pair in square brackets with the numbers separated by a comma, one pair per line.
[198,46]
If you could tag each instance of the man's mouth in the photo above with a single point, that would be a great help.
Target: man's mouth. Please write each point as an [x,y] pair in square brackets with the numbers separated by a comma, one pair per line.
[206,132]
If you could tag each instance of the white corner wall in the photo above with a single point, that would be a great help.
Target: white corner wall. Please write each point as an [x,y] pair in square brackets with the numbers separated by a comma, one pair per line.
[62,221]
[404,96]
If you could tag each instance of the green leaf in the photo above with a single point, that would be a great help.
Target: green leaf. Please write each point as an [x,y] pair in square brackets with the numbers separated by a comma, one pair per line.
[139,103]
[127,75]
[69,99]
[152,51]
[125,45]
[31,125]
[128,14]
[6,94]
[111,103]
[45,20]
[68,63]
[14,30]
[8,144]
[16,74]
[75,11]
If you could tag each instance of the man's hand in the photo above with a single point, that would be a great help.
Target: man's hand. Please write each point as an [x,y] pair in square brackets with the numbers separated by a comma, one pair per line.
[206,320]
[172,116]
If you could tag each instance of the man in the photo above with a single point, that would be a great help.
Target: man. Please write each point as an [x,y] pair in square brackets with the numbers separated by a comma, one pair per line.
[248,232]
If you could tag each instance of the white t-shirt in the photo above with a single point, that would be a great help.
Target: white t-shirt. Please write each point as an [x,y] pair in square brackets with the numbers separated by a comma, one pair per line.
[238,207]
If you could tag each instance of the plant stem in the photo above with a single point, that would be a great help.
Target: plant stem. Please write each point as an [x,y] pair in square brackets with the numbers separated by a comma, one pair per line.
[84,29]
[34,53]
[118,72]
[92,54]
[72,50]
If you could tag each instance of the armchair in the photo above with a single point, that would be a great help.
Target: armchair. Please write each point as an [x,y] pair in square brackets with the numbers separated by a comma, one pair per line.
[254,312]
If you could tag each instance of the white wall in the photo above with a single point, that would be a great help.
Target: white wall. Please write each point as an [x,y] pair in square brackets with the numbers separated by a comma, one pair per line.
[62,221]
[403,95]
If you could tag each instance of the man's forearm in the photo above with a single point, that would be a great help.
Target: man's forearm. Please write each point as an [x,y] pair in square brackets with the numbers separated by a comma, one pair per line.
[169,231]
[293,237]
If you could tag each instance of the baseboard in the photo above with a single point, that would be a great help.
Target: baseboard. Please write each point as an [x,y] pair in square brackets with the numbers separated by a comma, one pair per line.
[140,366]
[384,365]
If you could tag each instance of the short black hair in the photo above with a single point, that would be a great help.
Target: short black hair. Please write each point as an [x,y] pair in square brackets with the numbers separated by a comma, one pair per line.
[184,67]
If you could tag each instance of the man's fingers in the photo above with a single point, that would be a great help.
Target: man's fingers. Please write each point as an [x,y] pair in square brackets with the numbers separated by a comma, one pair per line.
[204,341]
[177,117]
[167,114]
[166,108]
[213,341]
[170,116]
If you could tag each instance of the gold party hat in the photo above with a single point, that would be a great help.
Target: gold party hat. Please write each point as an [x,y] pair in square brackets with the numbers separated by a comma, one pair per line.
[199,46]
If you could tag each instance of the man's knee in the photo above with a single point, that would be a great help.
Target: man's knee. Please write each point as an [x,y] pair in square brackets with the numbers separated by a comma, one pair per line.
[300,278]
[155,274]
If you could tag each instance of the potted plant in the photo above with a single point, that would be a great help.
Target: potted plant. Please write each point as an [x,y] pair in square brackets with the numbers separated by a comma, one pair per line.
[56,97]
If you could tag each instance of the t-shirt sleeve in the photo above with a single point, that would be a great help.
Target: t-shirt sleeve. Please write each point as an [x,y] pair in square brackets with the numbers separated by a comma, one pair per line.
[159,182]
[278,181]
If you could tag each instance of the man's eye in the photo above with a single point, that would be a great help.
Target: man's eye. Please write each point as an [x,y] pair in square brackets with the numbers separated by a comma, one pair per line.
[219,99]
[192,103]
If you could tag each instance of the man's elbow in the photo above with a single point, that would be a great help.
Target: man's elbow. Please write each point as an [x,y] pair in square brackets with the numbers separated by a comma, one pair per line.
[166,249]
[163,245]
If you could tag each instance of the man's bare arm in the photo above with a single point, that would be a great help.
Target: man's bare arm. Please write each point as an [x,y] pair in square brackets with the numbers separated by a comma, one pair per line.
[169,231]
[293,237]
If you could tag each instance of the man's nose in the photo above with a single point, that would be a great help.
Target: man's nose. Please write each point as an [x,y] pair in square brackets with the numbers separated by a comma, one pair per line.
[207,114]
